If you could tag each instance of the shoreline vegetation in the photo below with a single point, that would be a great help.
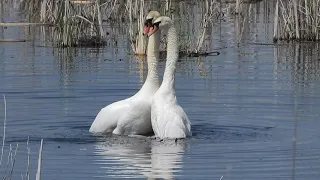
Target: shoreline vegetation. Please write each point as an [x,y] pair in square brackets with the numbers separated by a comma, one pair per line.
[73,23]
[96,23]
[297,20]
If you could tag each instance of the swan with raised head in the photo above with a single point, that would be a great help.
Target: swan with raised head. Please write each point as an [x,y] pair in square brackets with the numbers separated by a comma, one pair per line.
[167,117]
[132,116]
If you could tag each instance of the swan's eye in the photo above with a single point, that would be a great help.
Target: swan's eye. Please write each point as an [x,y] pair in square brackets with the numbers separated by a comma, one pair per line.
[156,24]
[148,22]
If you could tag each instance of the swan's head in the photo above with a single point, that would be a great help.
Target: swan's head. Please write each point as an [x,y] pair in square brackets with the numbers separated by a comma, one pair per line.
[148,22]
[162,22]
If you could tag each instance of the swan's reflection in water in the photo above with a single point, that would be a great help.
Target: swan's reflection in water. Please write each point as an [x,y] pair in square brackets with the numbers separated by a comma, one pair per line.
[166,158]
[124,157]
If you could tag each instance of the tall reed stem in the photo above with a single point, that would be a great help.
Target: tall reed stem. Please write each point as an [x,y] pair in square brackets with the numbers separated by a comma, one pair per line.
[38,175]
[275,22]
[4,126]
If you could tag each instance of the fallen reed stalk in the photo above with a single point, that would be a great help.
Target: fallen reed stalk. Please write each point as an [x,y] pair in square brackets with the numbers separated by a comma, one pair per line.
[13,40]
[82,1]
[7,24]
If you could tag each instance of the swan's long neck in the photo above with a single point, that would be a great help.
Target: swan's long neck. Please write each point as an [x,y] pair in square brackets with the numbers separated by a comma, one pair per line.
[172,57]
[152,58]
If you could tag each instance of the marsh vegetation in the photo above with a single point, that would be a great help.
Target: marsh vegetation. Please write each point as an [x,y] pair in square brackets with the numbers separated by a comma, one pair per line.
[69,23]
[297,20]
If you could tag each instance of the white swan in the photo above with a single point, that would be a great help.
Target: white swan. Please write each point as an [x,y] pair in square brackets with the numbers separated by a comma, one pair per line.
[168,118]
[132,116]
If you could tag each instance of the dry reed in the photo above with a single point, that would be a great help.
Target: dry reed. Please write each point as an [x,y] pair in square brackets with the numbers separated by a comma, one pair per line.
[209,10]
[4,126]
[138,41]
[237,6]
[88,22]
[24,24]
[195,38]
[81,23]
[38,175]
[76,23]
[28,161]
[297,20]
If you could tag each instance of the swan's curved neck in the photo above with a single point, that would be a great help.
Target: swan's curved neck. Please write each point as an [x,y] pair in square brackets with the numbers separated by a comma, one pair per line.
[152,57]
[172,56]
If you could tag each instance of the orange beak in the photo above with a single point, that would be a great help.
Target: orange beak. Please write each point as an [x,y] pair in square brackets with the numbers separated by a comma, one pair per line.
[147,26]
[154,29]
[146,29]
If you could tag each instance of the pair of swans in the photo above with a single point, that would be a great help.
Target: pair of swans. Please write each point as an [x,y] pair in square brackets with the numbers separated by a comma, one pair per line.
[153,108]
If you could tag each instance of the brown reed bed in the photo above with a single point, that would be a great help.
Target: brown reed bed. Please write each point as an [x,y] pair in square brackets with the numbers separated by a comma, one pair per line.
[106,22]
[297,20]
[88,22]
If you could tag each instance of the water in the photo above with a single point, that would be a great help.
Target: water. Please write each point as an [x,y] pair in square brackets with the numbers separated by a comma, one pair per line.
[254,110]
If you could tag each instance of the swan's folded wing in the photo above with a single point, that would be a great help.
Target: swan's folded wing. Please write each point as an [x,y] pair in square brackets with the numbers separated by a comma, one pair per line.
[177,121]
[158,119]
[107,118]
[136,120]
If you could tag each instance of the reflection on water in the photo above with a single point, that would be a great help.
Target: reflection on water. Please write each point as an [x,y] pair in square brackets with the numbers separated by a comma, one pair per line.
[139,158]
[166,158]
[124,158]
[302,59]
